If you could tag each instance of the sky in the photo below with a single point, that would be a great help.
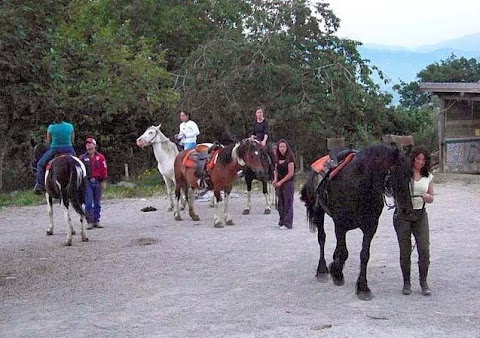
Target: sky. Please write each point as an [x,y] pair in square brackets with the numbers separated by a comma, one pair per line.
[406,23]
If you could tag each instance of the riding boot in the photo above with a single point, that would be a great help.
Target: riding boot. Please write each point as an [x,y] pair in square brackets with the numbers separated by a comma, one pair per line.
[423,270]
[405,266]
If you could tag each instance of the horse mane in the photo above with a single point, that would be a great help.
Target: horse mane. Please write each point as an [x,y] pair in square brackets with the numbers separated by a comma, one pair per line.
[225,154]
[379,158]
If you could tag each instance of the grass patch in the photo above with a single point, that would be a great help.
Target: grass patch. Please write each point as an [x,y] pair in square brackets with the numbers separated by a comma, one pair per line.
[148,184]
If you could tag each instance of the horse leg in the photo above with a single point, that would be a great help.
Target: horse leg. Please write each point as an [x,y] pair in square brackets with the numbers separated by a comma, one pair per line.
[322,270]
[176,212]
[217,223]
[191,205]
[50,215]
[248,181]
[68,220]
[339,257]
[228,218]
[78,208]
[169,185]
[363,291]
[268,208]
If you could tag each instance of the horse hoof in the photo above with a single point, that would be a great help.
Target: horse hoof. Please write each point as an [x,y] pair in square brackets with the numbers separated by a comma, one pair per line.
[49,232]
[182,208]
[85,239]
[267,212]
[68,243]
[246,212]
[170,209]
[322,277]
[229,222]
[195,218]
[74,232]
[218,225]
[177,217]
[365,295]
[339,281]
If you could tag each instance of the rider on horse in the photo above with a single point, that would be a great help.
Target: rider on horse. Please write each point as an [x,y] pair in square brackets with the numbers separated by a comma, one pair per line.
[60,137]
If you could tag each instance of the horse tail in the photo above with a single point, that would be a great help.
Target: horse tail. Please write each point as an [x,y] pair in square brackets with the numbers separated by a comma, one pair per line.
[76,188]
[308,194]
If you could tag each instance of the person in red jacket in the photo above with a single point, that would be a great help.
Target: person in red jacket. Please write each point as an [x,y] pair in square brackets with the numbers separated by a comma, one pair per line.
[97,175]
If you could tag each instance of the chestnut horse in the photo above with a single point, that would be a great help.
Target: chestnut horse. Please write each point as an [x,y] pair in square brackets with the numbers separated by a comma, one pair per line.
[226,163]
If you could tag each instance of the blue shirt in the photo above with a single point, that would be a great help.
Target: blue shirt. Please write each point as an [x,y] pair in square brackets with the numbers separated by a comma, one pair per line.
[61,134]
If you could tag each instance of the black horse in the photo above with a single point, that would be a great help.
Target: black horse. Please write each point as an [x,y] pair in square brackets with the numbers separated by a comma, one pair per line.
[354,198]
[266,178]
[64,180]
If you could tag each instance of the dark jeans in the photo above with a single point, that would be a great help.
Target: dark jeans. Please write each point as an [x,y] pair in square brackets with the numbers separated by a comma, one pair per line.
[93,197]
[285,194]
[405,226]
[49,154]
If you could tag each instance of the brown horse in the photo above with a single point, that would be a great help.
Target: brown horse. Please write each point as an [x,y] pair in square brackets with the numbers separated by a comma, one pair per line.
[226,163]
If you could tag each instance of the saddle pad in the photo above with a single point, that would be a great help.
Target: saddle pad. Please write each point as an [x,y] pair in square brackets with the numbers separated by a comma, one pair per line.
[320,164]
[187,161]
[213,160]
[342,164]
[203,147]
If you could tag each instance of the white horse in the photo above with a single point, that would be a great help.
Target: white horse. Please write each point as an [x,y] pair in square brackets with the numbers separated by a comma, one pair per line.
[165,152]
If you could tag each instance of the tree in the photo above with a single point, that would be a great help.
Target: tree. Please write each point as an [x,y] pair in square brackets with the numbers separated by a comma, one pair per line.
[313,84]
[24,77]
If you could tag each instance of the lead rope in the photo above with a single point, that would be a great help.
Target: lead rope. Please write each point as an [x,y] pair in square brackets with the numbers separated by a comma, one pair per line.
[388,191]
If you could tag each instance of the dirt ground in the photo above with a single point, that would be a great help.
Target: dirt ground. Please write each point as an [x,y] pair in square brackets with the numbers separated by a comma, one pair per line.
[146,275]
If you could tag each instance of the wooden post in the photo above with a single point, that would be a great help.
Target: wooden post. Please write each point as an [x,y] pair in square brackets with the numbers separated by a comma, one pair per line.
[127,176]
[441,117]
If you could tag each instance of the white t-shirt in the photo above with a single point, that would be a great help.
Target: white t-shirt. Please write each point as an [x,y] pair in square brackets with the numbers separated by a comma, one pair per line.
[190,130]
[420,187]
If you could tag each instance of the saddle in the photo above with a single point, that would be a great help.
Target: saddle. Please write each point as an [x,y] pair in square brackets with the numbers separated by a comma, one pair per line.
[331,164]
[203,158]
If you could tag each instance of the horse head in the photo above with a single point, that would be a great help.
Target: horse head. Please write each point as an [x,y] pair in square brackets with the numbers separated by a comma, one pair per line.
[152,135]
[250,153]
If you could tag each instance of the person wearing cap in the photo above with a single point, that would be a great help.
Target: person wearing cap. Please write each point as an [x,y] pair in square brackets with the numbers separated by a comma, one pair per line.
[97,175]
[188,131]
[60,137]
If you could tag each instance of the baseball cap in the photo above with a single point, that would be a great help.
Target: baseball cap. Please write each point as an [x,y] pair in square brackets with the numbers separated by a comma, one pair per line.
[91,140]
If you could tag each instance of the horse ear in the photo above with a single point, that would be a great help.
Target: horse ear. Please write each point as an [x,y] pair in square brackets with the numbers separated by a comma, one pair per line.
[159,126]
[33,143]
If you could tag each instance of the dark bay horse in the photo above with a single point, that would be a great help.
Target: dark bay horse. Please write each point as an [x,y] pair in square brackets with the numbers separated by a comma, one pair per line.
[354,198]
[226,163]
[64,180]
[266,178]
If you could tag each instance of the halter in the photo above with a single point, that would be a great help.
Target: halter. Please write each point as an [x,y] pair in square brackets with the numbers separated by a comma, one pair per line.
[156,133]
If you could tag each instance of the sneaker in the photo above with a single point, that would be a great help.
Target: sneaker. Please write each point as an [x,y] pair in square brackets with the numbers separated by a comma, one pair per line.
[282,227]
[240,173]
[89,226]
[97,225]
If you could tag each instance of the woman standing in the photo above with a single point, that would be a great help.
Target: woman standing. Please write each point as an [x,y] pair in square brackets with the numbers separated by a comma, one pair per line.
[417,222]
[284,182]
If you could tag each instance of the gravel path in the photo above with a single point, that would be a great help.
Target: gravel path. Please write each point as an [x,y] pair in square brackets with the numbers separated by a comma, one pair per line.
[146,275]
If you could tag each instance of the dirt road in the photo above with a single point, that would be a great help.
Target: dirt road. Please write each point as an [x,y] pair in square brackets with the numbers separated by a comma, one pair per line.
[146,275]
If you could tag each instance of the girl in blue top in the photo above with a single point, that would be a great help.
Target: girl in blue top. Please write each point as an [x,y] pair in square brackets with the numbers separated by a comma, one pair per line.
[60,137]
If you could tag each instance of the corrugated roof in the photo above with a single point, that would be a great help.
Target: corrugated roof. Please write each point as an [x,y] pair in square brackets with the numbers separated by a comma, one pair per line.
[454,87]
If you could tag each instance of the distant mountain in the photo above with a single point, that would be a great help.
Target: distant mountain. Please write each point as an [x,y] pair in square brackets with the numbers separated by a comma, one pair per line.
[404,64]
